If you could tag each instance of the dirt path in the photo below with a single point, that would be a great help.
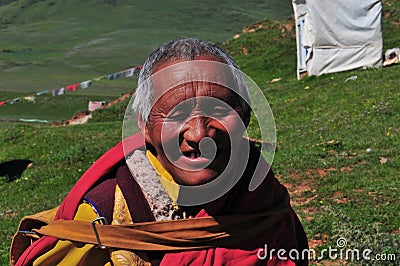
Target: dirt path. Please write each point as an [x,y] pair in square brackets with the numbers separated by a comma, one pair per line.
[83,117]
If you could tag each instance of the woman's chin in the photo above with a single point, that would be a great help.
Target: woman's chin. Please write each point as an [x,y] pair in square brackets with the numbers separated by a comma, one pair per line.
[195,178]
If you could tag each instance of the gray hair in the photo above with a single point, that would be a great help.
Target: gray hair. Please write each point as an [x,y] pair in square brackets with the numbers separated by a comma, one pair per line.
[186,48]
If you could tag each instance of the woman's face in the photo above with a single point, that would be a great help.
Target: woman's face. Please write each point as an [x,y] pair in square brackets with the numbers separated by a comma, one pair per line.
[194,127]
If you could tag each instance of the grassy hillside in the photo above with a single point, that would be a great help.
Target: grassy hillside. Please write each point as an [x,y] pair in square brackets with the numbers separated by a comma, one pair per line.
[338,145]
[55,42]
[46,44]
[337,141]
[62,107]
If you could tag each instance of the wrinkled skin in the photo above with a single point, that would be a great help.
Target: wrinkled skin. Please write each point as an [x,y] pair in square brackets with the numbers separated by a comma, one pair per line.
[191,128]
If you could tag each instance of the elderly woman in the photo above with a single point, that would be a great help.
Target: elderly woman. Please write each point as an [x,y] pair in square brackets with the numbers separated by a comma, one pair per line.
[182,195]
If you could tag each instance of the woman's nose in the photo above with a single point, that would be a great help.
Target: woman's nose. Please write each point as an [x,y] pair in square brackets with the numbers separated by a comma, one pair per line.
[196,129]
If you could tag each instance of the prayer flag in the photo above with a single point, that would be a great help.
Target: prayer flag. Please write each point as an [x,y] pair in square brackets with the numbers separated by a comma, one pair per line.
[42,92]
[31,98]
[128,73]
[58,91]
[72,87]
[85,84]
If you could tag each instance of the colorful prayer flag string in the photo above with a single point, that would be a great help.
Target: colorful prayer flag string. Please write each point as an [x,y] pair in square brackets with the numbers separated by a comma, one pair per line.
[128,73]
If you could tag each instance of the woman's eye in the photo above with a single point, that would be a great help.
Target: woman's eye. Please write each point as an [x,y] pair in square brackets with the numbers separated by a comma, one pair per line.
[220,111]
[177,116]
[179,113]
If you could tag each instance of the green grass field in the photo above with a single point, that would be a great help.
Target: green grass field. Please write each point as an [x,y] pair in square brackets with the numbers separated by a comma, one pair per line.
[60,42]
[62,107]
[45,44]
[338,142]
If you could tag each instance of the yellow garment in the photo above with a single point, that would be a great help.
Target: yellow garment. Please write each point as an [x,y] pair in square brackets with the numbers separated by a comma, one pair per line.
[72,253]
[69,253]
[166,179]
[121,215]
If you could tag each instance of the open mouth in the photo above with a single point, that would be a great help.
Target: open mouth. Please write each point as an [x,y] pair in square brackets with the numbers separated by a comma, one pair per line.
[192,154]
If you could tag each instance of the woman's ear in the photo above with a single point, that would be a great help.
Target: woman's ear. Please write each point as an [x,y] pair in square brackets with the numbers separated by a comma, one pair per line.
[143,129]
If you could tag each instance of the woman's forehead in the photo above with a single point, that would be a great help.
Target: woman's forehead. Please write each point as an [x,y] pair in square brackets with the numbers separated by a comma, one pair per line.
[200,89]
[199,92]
[193,77]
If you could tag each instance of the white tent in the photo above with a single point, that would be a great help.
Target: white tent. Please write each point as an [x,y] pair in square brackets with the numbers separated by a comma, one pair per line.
[337,35]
